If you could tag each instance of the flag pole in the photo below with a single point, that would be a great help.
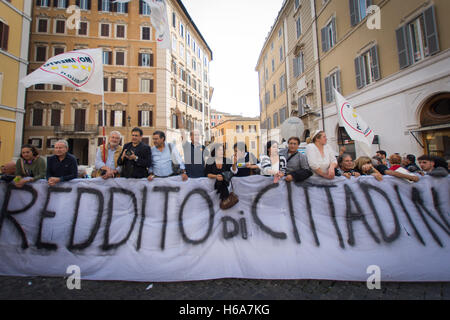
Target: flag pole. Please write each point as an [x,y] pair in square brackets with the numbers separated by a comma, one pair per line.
[104,131]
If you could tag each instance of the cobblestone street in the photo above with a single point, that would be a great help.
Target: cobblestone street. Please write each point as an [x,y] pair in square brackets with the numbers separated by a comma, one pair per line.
[224,289]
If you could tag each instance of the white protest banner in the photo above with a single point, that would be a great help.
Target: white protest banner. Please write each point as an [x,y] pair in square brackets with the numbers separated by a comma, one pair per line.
[169,230]
[356,127]
[79,69]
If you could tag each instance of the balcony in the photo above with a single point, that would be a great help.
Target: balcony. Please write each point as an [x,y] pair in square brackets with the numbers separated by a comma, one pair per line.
[77,129]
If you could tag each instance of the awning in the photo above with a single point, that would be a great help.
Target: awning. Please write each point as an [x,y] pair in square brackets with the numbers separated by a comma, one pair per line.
[437,127]
[441,126]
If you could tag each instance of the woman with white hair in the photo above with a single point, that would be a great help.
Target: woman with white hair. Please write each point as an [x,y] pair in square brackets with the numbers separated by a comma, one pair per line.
[321,157]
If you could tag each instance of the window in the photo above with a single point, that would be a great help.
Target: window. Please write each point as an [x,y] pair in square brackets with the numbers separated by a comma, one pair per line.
[267,99]
[101,118]
[51,142]
[40,86]
[37,117]
[36,142]
[297,4]
[120,58]
[56,117]
[61,4]
[298,27]
[301,103]
[182,51]
[329,35]
[273,65]
[280,33]
[367,68]
[144,8]
[57,87]
[119,85]
[43,3]
[418,39]
[104,5]
[174,43]
[118,118]
[253,144]
[299,65]
[60,26]
[145,118]
[42,25]
[58,50]
[147,85]
[120,31]
[283,115]
[145,33]
[145,59]
[239,129]
[283,83]
[121,7]
[104,30]
[331,82]
[252,128]
[41,53]
[188,39]
[82,31]
[181,30]
[107,57]
[281,54]
[274,91]
[275,120]
[174,20]
[358,10]
[83,4]
[105,84]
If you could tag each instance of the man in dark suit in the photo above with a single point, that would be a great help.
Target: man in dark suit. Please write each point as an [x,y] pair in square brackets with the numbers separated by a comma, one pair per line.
[136,157]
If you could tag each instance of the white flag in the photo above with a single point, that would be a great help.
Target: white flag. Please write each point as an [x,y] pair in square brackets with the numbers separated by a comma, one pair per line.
[356,127]
[158,17]
[80,69]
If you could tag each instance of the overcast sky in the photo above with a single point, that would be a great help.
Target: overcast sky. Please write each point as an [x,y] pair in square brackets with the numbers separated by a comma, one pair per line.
[235,30]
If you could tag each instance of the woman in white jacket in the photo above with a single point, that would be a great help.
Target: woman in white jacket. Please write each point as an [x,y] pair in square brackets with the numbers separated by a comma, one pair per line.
[321,157]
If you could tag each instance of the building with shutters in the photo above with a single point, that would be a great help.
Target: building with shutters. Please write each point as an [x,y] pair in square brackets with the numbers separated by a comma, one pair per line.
[238,129]
[15,21]
[145,86]
[288,70]
[397,77]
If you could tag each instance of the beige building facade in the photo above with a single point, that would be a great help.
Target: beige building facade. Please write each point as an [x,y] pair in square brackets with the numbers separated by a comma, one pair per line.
[145,86]
[288,70]
[238,129]
[389,58]
[15,22]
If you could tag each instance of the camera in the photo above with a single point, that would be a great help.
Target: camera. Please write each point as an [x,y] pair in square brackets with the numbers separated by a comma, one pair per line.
[128,153]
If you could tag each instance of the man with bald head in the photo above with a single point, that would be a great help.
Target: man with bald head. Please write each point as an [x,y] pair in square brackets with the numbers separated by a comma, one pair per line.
[8,171]
[62,166]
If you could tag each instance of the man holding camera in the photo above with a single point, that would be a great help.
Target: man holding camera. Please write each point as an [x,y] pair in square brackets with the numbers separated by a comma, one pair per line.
[136,157]
[107,157]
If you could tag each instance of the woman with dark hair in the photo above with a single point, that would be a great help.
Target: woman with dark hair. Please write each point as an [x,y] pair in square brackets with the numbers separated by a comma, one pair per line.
[272,163]
[220,169]
[29,167]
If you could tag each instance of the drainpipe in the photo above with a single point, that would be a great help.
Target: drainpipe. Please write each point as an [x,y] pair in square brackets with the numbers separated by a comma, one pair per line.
[320,72]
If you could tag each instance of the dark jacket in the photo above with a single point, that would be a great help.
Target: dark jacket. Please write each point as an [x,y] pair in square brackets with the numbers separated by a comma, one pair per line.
[194,160]
[297,165]
[136,169]
[66,170]
[242,170]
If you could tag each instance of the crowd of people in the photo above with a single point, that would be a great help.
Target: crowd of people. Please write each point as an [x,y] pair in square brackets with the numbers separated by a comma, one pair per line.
[138,160]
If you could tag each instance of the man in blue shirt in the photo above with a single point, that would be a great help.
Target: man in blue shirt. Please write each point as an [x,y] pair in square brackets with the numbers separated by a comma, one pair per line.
[62,166]
[162,156]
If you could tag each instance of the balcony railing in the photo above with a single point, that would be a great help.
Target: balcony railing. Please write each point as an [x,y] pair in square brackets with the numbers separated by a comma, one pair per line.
[79,129]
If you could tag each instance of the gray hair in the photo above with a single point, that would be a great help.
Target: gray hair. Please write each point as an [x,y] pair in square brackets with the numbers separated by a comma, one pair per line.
[116,133]
[63,142]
